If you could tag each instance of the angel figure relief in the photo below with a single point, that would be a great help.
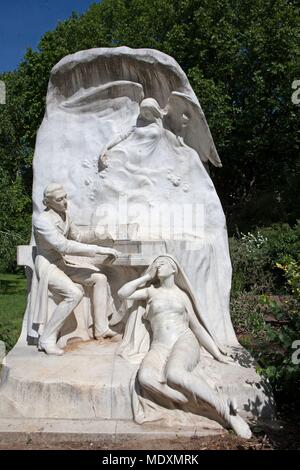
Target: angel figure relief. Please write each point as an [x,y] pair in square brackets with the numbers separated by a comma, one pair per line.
[163,143]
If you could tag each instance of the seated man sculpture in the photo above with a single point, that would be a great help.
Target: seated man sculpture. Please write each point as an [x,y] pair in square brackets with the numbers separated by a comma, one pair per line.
[168,370]
[56,236]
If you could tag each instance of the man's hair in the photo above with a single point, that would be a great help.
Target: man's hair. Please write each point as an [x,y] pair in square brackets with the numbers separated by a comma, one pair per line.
[50,190]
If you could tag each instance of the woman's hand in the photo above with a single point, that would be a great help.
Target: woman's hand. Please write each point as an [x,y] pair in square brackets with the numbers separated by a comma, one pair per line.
[225,359]
[151,272]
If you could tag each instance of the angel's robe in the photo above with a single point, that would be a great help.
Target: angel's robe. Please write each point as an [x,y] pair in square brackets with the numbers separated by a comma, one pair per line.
[170,195]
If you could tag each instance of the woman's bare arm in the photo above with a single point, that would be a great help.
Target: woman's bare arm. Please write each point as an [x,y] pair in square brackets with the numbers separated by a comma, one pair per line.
[201,334]
[131,290]
[119,138]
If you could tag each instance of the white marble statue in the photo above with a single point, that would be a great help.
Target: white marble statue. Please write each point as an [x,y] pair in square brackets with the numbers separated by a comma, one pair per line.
[167,369]
[125,137]
[56,237]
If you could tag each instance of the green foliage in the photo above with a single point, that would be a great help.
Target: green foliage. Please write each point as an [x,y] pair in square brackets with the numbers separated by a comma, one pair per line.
[291,268]
[276,352]
[268,327]
[13,296]
[216,102]
[247,316]
[267,262]
[15,220]
[254,257]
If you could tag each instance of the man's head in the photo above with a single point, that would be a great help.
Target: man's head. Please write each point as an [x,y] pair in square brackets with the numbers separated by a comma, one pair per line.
[55,197]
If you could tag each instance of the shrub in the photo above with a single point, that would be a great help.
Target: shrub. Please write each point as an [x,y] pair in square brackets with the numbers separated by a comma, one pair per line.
[15,220]
[267,263]
[254,257]
[291,268]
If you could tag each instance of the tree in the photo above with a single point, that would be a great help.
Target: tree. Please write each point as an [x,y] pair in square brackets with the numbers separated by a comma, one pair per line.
[241,57]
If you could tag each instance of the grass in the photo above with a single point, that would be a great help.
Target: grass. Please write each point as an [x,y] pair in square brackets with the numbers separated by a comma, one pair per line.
[13,296]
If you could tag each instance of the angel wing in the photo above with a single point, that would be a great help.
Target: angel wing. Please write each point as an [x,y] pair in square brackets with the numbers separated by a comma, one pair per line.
[104,97]
[116,104]
[185,118]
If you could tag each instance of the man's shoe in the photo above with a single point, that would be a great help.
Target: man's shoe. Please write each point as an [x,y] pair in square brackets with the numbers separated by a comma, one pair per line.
[51,349]
[106,334]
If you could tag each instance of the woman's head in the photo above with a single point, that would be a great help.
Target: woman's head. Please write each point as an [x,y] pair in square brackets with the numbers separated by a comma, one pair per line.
[150,110]
[165,266]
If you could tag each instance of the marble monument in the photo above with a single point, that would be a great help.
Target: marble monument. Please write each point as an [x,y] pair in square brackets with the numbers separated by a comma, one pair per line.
[129,272]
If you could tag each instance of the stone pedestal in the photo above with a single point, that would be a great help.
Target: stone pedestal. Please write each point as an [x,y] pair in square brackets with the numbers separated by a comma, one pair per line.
[91,381]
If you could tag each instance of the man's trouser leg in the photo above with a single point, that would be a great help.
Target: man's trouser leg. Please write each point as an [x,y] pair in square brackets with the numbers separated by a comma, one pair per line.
[100,293]
[60,285]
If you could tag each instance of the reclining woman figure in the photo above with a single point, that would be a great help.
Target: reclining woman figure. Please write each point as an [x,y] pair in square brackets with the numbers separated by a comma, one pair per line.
[176,336]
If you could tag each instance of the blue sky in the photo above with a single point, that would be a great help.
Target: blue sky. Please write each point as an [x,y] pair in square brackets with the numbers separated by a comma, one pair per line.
[23,22]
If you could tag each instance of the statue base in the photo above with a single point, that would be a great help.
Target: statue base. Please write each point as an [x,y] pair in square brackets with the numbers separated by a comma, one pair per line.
[121,434]
[91,382]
